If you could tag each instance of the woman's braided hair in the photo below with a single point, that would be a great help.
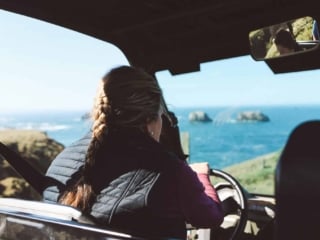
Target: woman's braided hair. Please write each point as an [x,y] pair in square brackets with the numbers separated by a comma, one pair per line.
[127,97]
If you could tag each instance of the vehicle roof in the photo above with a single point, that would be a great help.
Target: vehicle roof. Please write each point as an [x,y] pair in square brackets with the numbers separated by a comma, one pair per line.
[176,35]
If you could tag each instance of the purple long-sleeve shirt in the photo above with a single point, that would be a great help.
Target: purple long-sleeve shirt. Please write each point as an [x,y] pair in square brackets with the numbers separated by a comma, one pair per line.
[198,199]
[188,195]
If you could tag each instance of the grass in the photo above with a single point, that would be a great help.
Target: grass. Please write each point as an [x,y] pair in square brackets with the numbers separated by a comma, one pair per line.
[256,175]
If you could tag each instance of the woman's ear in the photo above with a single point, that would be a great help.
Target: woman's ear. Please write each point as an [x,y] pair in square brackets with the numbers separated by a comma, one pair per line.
[149,128]
[154,128]
[170,135]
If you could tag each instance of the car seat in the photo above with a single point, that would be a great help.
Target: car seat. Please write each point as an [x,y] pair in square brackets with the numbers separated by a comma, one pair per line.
[297,184]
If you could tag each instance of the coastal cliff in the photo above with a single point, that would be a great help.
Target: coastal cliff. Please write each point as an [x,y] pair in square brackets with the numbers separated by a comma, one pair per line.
[36,148]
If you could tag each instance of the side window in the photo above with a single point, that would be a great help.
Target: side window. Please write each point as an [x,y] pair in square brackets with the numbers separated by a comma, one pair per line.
[49,75]
[238,115]
[41,61]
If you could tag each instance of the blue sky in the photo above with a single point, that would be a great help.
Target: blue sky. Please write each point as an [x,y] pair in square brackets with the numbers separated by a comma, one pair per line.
[46,67]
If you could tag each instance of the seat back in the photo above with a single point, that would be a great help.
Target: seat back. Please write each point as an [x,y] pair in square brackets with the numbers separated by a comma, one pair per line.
[298,184]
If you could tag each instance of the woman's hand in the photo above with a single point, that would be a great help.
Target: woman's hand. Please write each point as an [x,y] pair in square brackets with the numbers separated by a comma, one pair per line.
[200,167]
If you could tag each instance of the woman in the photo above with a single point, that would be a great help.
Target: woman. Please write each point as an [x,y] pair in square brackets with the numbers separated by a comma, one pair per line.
[285,42]
[129,180]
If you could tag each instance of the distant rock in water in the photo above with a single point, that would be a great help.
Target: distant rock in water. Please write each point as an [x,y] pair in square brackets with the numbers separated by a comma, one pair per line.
[199,116]
[85,116]
[255,116]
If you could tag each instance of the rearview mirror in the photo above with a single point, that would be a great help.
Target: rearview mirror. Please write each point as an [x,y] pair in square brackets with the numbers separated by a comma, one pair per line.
[283,39]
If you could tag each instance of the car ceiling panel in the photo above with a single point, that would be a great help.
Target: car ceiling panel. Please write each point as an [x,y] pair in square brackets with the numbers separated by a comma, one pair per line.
[160,34]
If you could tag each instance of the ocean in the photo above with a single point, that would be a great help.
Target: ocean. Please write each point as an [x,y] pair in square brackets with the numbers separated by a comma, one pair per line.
[222,142]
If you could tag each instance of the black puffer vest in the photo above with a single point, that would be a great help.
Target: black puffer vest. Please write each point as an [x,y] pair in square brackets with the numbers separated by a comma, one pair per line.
[132,173]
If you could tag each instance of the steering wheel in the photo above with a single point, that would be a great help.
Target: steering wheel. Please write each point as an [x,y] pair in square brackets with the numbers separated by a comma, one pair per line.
[234,202]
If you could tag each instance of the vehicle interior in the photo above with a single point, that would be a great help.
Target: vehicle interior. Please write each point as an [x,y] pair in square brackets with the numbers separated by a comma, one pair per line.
[227,52]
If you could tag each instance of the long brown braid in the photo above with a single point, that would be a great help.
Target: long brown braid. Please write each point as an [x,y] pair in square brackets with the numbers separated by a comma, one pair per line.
[126,97]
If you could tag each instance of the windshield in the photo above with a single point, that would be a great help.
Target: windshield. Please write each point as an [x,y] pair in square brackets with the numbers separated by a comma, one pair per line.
[49,77]
[250,113]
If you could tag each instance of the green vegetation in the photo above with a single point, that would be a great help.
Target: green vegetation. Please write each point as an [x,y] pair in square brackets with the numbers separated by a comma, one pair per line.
[256,175]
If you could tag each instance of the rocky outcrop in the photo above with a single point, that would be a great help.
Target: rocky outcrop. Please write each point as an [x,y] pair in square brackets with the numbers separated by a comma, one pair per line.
[36,148]
[255,116]
[199,116]
[86,116]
